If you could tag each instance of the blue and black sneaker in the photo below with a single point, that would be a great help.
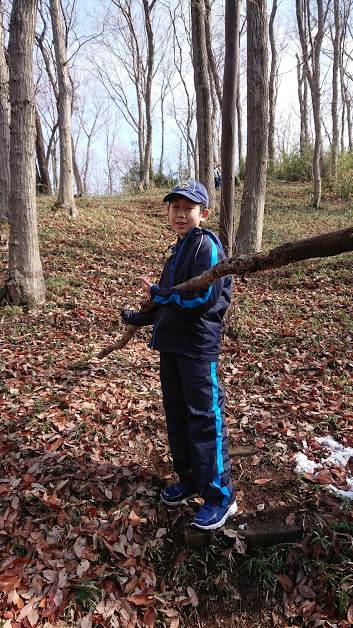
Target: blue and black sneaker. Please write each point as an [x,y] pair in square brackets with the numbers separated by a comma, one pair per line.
[175,494]
[212,516]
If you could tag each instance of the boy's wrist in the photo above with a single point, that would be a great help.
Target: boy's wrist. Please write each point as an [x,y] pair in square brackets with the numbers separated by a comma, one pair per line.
[153,290]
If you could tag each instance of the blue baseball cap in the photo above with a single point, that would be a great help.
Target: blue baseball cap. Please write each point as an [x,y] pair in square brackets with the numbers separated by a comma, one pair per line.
[194,190]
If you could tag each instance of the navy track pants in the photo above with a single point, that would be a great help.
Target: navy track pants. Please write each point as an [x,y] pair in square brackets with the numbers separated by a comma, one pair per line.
[193,401]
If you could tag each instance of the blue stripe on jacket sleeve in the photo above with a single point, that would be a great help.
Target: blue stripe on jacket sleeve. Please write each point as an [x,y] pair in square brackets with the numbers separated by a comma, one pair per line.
[190,303]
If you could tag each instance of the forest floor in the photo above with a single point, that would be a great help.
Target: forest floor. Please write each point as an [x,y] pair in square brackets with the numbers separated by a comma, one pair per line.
[84,540]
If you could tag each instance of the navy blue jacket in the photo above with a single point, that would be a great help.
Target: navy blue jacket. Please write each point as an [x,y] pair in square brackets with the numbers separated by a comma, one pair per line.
[189,323]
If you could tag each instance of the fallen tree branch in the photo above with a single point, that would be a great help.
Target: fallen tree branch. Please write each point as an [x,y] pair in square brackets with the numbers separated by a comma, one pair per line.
[115,346]
[325,245]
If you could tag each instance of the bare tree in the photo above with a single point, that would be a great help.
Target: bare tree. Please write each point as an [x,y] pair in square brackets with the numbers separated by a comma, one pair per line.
[249,234]
[185,121]
[211,59]
[336,40]
[65,193]
[229,101]
[203,97]
[89,133]
[147,9]
[311,49]
[24,284]
[45,185]
[272,91]
[303,105]
[4,125]
[345,76]
[132,50]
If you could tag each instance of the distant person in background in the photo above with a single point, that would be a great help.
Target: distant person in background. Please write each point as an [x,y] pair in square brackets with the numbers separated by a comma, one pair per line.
[217,179]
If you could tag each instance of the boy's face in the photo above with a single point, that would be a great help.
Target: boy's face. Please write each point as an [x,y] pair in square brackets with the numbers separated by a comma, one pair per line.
[183,215]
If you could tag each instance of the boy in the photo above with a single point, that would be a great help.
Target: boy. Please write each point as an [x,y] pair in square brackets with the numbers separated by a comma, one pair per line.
[187,333]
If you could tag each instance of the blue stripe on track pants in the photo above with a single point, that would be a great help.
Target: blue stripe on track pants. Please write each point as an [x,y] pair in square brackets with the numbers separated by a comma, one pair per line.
[193,401]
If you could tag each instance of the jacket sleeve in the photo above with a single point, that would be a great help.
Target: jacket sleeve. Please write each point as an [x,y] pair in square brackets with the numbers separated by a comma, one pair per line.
[140,318]
[194,302]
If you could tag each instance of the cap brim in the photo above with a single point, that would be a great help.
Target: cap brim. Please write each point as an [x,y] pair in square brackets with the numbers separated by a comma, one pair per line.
[188,195]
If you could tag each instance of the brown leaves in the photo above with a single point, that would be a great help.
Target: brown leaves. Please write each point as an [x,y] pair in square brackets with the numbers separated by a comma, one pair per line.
[286,582]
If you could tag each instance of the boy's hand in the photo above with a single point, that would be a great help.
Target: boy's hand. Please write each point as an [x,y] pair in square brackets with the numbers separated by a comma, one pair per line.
[146,283]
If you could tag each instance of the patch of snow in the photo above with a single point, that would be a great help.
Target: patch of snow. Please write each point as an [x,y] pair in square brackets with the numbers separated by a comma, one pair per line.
[340,455]
[343,493]
[304,465]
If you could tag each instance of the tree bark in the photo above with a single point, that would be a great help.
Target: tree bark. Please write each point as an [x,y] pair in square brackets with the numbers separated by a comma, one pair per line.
[25,284]
[66,193]
[313,75]
[249,234]
[4,126]
[303,106]
[77,174]
[147,8]
[272,92]
[334,105]
[203,98]
[211,60]
[45,185]
[239,123]
[229,100]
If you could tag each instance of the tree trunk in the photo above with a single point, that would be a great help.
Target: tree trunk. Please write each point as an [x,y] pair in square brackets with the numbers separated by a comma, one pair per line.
[147,7]
[313,76]
[54,165]
[272,92]
[249,234]
[210,55]
[239,123]
[4,127]
[77,174]
[229,100]
[25,284]
[203,98]
[334,106]
[45,185]
[303,109]
[66,193]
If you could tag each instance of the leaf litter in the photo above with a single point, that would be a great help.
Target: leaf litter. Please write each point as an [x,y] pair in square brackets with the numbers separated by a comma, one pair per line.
[83,538]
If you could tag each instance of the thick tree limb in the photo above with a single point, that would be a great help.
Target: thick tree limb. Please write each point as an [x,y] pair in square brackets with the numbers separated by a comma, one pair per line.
[115,346]
[325,245]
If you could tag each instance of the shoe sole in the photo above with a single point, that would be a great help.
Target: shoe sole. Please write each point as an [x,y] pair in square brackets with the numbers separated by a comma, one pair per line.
[178,503]
[231,511]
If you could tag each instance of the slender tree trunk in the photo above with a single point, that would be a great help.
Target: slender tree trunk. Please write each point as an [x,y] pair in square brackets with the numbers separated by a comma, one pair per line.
[272,92]
[203,98]
[147,7]
[54,165]
[239,122]
[211,60]
[313,76]
[25,284]
[66,193]
[349,125]
[334,106]
[161,158]
[4,126]
[229,102]
[249,234]
[77,174]
[41,159]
